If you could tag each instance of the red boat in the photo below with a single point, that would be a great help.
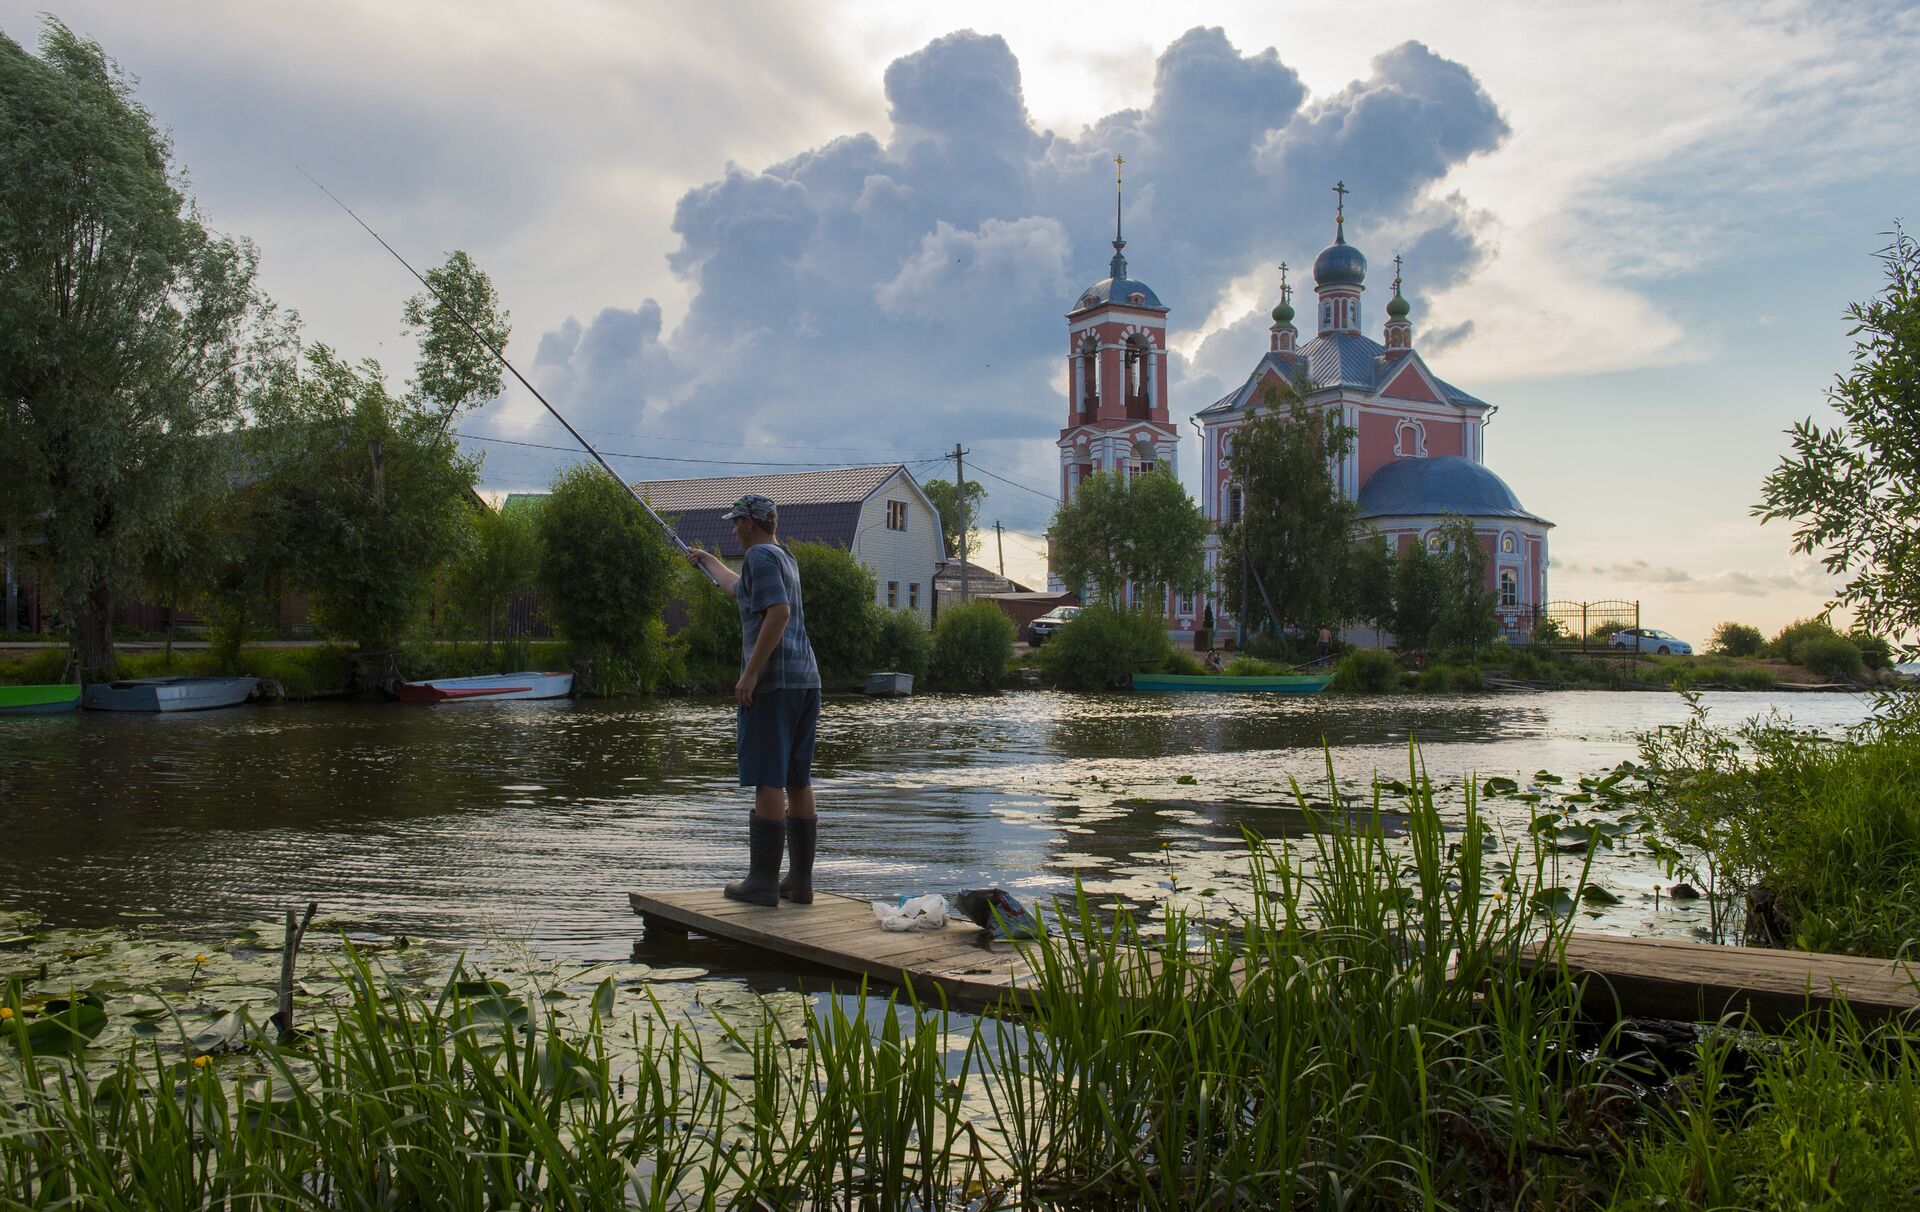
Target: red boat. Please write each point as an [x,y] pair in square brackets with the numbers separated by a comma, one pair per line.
[489,687]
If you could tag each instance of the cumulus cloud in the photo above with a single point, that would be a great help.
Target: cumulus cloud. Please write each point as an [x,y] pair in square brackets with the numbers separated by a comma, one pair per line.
[908,287]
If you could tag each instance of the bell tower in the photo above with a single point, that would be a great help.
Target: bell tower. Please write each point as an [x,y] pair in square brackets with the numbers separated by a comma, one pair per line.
[1116,373]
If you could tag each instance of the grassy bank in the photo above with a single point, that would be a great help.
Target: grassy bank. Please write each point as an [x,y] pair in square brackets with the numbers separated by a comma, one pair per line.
[1342,1038]
[316,671]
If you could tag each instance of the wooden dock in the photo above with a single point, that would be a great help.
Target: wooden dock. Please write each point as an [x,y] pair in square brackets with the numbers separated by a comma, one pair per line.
[1701,982]
[959,963]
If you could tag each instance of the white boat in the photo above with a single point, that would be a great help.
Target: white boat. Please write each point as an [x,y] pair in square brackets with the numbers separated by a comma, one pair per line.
[170,694]
[490,687]
[889,685]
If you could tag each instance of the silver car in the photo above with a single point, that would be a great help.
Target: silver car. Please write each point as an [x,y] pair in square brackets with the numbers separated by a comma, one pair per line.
[1649,639]
[1041,629]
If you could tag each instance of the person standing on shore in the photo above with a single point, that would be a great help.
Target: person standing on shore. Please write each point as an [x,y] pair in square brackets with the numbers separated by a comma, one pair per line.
[777,706]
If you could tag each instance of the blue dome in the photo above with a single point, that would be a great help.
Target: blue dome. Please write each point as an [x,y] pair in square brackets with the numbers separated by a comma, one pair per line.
[1408,488]
[1339,264]
[1118,290]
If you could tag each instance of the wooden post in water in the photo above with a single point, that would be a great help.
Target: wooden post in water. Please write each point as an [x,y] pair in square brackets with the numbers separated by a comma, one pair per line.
[289,953]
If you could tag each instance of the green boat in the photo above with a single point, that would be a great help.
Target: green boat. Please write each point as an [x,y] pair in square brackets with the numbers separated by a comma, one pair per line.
[38,700]
[1283,683]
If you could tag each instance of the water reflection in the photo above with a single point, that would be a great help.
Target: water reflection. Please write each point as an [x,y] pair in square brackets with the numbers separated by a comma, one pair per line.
[527,823]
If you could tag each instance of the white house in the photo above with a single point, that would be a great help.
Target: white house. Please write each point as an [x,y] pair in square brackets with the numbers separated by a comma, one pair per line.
[878,513]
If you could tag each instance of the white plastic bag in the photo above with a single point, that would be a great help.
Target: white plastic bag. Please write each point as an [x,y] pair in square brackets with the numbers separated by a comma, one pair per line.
[927,912]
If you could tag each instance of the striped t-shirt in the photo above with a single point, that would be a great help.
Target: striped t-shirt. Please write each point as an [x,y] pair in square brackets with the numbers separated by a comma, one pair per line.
[769,577]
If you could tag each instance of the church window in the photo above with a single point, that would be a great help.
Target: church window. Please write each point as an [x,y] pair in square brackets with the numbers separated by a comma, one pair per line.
[893,594]
[1186,603]
[1233,504]
[1409,439]
[896,515]
[1509,588]
[1434,542]
[1507,544]
[1135,376]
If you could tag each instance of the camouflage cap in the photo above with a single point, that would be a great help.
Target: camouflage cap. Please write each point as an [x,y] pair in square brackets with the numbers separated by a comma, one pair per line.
[753,505]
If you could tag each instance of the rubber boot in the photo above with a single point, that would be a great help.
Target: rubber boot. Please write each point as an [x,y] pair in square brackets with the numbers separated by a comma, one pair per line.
[797,884]
[765,840]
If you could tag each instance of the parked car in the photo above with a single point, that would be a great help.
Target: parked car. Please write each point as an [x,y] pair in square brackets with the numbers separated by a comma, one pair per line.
[1041,629]
[1649,639]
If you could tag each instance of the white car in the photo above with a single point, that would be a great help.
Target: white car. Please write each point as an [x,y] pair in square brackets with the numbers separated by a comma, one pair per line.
[1041,629]
[1648,639]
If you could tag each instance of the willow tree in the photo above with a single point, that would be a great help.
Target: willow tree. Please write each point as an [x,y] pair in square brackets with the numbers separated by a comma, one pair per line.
[124,322]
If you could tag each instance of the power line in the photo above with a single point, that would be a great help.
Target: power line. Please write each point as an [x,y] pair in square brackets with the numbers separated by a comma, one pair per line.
[1045,496]
[617,454]
[658,437]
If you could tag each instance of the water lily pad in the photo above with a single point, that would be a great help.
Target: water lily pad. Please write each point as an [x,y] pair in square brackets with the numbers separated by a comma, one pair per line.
[1499,786]
[1555,902]
[62,1025]
[1593,894]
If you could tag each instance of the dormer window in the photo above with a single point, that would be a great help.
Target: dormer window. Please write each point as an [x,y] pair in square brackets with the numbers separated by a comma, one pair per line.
[1136,298]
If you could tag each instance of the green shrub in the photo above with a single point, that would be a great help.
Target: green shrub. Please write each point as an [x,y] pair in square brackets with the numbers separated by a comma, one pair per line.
[1833,656]
[1368,671]
[836,591]
[1184,664]
[1528,665]
[42,668]
[1102,648]
[973,646]
[1786,646]
[1875,652]
[1466,677]
[1737,640]
[1254,667]
[1437,680]
[711,637]
[901,643]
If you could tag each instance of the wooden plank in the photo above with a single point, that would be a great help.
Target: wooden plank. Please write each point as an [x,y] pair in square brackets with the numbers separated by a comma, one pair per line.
[841,933]
[1700,982]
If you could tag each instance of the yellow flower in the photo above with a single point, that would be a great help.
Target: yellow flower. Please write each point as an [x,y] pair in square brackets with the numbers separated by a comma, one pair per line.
[200,1062]
[199,959]
[6,1012]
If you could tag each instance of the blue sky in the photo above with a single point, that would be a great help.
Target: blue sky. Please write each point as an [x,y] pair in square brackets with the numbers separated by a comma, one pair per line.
[842,232]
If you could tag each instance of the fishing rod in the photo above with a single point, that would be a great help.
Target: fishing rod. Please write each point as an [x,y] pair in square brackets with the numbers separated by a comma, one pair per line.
[513,370]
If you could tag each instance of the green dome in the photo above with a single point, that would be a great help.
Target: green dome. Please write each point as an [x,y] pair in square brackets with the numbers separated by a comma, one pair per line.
[1398,307]
[1283,314]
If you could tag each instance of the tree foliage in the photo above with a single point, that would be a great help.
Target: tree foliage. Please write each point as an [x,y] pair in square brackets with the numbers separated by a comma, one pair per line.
[1295,528]
[605,568]
[499,561]
[1852,490]
[957,508]
[456,324]
[126,327]
[836,591]
[1102,647]
[1466,617]
[1737,640]
[377,497]
[1141,530]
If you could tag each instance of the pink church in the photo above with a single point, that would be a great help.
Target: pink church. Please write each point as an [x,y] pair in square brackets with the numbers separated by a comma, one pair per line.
[1418,452]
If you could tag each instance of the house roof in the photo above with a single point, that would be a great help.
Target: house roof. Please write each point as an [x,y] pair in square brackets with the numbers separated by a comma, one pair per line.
[815,506]
[1337,360]
[980,582]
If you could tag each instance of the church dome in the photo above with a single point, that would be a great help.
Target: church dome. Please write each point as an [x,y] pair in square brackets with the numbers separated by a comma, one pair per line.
[1339,264]
[1283,314]
[1130,292]
[1410,488]
[1398,307]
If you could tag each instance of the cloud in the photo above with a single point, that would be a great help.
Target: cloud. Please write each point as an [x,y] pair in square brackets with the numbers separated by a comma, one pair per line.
[1808,578]
[908,287]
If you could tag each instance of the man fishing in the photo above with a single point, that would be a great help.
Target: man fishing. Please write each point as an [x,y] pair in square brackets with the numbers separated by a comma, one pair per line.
[778,697]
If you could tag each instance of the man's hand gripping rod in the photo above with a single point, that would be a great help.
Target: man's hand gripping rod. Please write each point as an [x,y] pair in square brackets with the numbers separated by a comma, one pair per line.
[502,358]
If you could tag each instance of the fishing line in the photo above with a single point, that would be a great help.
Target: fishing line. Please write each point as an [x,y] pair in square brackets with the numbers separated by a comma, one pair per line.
[502,358]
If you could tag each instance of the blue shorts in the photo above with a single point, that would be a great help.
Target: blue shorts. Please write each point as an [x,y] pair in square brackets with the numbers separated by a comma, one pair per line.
[775,736]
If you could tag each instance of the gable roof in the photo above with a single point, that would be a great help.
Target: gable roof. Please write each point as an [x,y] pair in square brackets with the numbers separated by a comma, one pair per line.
[1338,360]
[815,506]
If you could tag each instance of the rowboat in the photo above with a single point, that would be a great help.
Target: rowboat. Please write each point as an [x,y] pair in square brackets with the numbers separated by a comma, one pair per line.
[488,687]
[171,694]
[1281,683]
[38,700]
[889,685]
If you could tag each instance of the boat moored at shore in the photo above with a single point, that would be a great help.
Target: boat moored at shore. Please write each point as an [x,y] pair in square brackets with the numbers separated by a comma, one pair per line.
[487,687]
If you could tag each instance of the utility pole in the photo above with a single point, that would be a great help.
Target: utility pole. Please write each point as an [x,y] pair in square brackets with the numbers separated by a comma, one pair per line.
[966,520]
[1000,544]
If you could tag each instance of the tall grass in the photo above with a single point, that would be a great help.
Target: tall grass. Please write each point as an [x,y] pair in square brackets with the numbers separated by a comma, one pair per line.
[1353,1037]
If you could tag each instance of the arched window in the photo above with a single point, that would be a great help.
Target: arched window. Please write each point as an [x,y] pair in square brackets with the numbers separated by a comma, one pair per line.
[1136,376]
[1509,588]
[1409,439]
[1144,456]
[1090,376]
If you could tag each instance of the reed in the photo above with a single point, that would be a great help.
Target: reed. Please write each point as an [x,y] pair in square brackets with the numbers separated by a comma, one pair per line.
[1349,1038]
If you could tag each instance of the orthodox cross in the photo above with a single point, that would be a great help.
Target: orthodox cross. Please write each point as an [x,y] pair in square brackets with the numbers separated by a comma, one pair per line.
[1118,243]
[1286,292]
[1340,208]
[1117,162]
[1396,273]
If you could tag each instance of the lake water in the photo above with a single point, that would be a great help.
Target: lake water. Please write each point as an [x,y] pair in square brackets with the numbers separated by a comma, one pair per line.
[526,824]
